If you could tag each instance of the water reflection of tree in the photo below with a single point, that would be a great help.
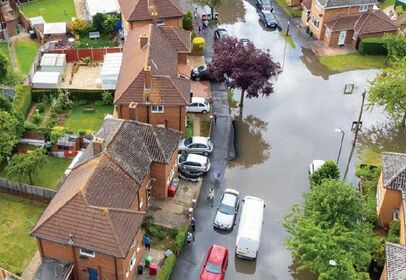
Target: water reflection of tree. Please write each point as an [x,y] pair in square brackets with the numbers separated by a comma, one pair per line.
[251,147]
[313,64]
[231,11]
[300,275]
[379,138]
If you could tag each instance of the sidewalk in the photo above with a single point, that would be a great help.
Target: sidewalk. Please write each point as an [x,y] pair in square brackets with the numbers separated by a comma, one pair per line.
[31,268]
[157,257]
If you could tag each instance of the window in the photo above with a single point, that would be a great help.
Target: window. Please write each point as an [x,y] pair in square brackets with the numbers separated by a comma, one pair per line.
[378,196]
[315,22]
[132,261]
[160,22]
[318,6]
[140,203]
[157,109]
[87,253]
[328,32]
[354,36]
[363,8]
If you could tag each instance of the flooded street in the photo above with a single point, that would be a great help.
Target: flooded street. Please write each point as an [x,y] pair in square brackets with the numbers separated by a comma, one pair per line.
[276,139]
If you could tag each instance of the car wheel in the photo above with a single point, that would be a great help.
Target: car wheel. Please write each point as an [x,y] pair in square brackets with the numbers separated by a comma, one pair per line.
[205,154]
[204,111]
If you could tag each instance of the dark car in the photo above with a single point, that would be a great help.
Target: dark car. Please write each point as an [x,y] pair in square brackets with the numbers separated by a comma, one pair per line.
[264,4]
[268,19]
[200,73]
[220,34]
[189,175]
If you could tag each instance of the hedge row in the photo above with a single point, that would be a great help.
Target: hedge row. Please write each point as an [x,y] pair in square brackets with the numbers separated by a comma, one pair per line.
[76,94]
[372,46]
[180,238]
[166,270]
[22,99]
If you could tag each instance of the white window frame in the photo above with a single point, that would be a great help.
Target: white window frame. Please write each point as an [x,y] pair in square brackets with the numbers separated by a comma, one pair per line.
[363,8]
[132,261]
[378,197]
[328,32]
[141,202]
[160,22]
[87,254]
[157,109]
[318,22]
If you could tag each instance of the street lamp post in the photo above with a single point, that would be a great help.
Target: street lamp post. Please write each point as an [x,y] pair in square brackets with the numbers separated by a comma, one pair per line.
[341,143]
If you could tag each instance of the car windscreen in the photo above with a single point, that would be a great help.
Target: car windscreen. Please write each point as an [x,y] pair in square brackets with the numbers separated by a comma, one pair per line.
[188,141]
[201,68]
[269,16]
[226,209]
[266,2]
[182,158]
[213,268]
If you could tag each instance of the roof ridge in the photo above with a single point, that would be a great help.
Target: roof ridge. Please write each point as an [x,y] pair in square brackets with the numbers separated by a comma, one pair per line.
[108,154]
[157,141]
[148,47]
[170,79]
[114,232]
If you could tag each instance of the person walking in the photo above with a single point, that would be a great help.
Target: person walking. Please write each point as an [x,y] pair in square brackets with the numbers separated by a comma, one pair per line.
[193,224]
[210,196]
[147,242]
[189,238]
[215,117]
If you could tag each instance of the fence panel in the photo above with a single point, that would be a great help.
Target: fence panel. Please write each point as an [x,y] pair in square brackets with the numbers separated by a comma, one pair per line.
[4,274]
[25,190]
[75,55]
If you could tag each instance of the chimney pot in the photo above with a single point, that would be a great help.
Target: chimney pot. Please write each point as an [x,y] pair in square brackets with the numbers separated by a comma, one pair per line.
[97,144]
[154,18]
[147,77]
[143,40]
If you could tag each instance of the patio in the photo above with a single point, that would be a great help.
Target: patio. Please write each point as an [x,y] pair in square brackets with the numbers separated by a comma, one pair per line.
[82,77]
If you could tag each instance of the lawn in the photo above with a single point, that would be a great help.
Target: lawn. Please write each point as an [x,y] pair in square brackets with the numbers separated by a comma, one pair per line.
[48,175]
[290,11]
[78,119]
[386,3]
[103,41]
[50,10]
[348,62]
[4,51]
[18,216]
[26,50]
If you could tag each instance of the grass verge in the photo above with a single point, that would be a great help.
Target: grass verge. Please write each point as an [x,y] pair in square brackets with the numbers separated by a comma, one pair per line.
[232,103]
[26,50]
[103,41]
[386,3]
[78,119]
[348,62]
[161,237]
[51,11]
[18,216]
[205,127]
[290,11]
[288,39]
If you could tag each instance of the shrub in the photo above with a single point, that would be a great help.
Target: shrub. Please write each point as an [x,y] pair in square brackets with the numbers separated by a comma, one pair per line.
[22,99]
[61,102]
[98,20]
[86,60]
[107,98]
[5,104]
[180,238]
[399,10]
[36,118]
[189,127]
[154,231]
[372,46]
[394,232]
[109,23]
[41,107]
[187,21]
[40,95]
[99,103]
[83,102]
[30,126]
[198,43]
[79,26]
[166,270]
[329,170]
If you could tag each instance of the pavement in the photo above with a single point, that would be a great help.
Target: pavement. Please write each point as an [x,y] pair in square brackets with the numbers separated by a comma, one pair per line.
[157,257]
[31,268]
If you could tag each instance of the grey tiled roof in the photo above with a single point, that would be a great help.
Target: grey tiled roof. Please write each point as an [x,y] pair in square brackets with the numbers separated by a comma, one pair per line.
[395,261]
[394,171]
[345,3]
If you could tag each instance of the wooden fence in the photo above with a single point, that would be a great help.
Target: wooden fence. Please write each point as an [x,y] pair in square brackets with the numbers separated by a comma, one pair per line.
[27,191]
[4,274]
[75,55]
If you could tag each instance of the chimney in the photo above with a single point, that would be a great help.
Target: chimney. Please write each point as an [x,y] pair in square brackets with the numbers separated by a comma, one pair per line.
[97,144]
[143,40]
[71,240]
[147,78]
[154,18]
[132,111]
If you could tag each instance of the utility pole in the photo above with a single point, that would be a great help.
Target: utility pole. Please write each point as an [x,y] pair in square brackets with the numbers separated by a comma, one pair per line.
[355,135]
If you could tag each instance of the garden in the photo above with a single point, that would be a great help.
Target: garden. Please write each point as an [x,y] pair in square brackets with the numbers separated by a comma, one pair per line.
[18,216]
[64,10]
[26,50]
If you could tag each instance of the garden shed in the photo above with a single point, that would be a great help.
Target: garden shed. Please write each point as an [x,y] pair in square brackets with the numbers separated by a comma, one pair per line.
[53,62]
[37,20]
[103,7]
[55,28]
[110,70]
[46,79]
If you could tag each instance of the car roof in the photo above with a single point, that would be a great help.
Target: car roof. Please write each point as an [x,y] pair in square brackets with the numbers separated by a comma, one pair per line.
[196,158]
[217,254]
[199,140]
[229,199]
[221,30]
[198,99]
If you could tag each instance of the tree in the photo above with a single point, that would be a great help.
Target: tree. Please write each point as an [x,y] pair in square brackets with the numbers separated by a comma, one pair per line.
[329,170]
[98,20]
[79,25]
[331,226]
[389,90]
[213,4]
[5,104]
[244,67]
[109,23]
[3,67]
[9,133]
[396,45]
[25,165]
[187,21]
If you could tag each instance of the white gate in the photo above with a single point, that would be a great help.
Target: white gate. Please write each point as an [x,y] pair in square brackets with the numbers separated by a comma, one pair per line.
[341,38]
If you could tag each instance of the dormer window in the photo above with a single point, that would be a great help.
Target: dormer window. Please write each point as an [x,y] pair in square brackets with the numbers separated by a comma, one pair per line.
[87,253]
[363,8]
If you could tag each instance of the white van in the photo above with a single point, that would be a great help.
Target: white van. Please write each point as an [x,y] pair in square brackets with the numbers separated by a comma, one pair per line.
[250,228]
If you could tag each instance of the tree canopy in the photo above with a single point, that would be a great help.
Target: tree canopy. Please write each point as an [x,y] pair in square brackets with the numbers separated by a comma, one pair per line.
[213,4]
[329,170]
[25,165]
[396,45]
[3,67]
[389,90]
[10,129]
[243,66]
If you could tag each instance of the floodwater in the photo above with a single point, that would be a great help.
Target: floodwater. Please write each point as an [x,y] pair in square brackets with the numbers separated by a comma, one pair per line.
[277,138]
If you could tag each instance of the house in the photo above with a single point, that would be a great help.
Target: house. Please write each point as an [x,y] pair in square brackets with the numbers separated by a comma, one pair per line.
[391,205]
[137,13]
[92,227]
[152,83]
[339,23]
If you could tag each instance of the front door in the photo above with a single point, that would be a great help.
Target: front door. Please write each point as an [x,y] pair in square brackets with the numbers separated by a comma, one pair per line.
[341,38]
[92,274]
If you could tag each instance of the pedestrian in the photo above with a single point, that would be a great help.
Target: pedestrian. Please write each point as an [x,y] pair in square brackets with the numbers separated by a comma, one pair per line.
[206,25]
[193,224]
[200,28]
[215,117]
[147,242]
[189,238]
[195,13]
[272,10]
[210,196]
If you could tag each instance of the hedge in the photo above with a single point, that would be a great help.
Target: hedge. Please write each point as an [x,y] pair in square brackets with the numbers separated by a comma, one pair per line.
[372,46]
[166,270]
[22,99]
[76,94]
[180,238]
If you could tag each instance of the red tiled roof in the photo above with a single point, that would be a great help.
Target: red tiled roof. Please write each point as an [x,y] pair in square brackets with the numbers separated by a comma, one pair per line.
[342,22]
[134,10]
[307,4]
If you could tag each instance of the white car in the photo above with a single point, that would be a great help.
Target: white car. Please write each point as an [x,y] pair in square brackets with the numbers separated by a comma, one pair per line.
[315,165]
[227,210]
[193,163]
[196,145]
[198,105]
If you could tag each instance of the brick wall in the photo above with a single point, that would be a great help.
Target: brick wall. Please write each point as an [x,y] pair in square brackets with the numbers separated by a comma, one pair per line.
[389,199]
[161,173]
[175,22]
[332,40]
[142,194]
[123,265]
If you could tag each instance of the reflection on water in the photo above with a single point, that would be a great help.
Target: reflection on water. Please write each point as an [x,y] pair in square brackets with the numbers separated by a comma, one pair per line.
[231,11]
[300,275]
[245,266]
[313,64]
[254,149]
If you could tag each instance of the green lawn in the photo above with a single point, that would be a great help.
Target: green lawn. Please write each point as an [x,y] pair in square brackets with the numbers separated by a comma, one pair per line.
[290,11]
[386,4]
[4,51]
[50,10]
[49,174]
[79,120]
[348,62]
[26,50]
[18,216]
[104,41]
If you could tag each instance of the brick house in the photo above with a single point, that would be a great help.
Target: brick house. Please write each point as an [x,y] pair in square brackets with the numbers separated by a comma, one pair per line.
[137,13]
[153,85]
[391,204]
[339,23]
[92,227]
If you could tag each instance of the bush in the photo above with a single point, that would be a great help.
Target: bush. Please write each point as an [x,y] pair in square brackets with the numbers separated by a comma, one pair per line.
[22,99]
[399,10]
[329,170]
[99,103]
[40,95]
[107,98]
[187,21]
[154,231]
[79,26]
[394,232]
[180,238]
[36,118]
[189,127]
[61,102]
[41,107]
[166,270]
[372,46]
[30,126]
[5,104]
[98,20]
[109,23]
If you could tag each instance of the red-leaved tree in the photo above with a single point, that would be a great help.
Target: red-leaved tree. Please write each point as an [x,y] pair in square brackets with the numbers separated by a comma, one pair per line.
[243,66]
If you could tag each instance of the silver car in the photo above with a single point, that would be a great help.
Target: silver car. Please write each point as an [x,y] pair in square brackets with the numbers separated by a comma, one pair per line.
[195,145]
[227,210]
[193,163]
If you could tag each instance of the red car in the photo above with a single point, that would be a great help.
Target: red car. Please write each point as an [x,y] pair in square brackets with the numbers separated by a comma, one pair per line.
[215,265]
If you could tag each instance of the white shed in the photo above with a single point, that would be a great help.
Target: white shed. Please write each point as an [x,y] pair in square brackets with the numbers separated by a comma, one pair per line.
[103,7]
[37,20]
[55,28]
[53,62]
[46,79]
[110,70]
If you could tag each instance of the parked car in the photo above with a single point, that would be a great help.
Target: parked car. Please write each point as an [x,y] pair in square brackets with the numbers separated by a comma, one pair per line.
[227,210]
[200,73]
[192,176]
[245,41]
[316,164]
[198,105]
[215,264]
[196,145]
[268,19]
[220,33]
[264,4]
[193,162]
